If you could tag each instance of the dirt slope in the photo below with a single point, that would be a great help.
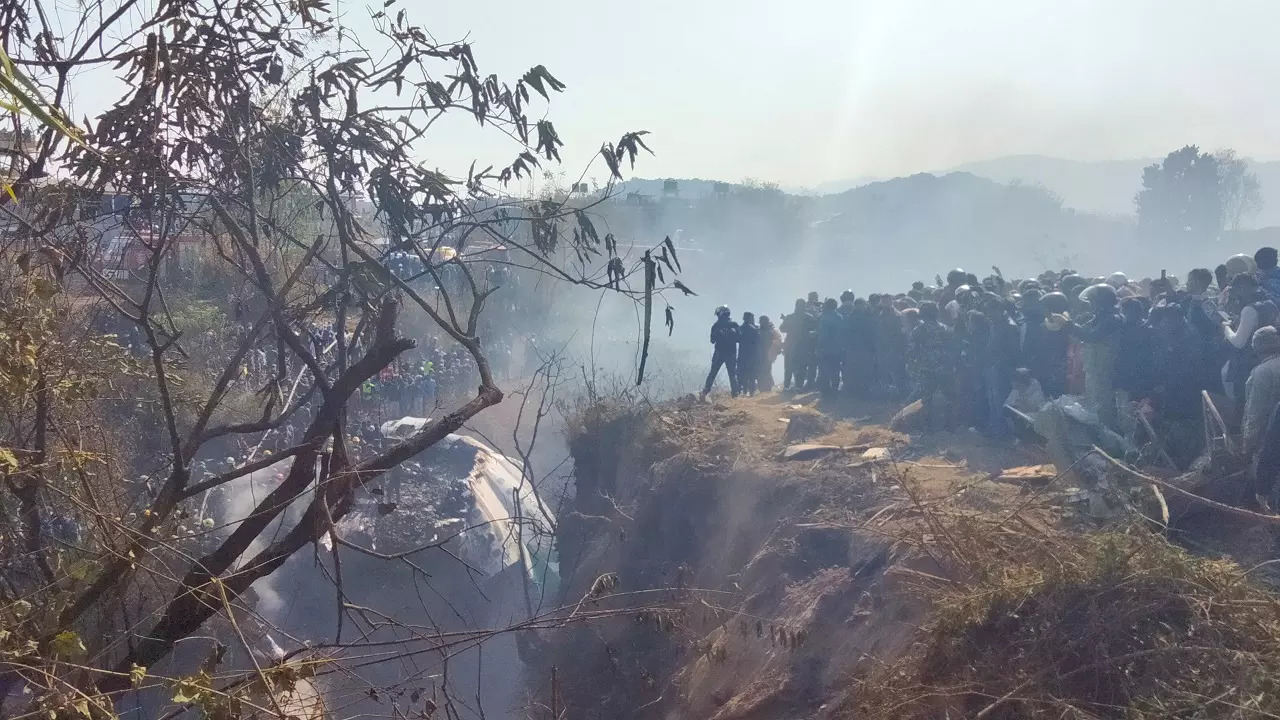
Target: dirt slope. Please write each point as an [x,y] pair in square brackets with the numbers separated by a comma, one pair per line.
[770,578]
[728,582]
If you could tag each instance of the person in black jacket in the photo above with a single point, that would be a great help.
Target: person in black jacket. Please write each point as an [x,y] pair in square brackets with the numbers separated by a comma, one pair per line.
[1044,343]
[798,328]
[724,338]
[748,354]
[1135,374]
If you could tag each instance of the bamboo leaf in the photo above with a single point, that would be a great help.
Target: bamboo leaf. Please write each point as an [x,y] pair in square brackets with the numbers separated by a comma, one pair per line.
[8,460]
[25,93]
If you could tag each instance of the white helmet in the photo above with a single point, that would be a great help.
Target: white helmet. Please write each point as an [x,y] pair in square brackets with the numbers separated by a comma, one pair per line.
[723,310]
[1117,280]
[1240,264]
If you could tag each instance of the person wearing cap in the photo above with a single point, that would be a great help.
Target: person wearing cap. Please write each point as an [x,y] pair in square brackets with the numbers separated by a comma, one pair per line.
[1262,389]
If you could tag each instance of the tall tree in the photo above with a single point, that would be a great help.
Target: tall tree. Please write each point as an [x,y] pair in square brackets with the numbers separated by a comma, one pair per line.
[234,115]
[1241,192]
[1181,197]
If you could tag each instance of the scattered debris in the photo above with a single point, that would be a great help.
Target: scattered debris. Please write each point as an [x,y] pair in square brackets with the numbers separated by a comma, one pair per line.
[876,453]
[809,451]
[908,418]
[1029,474]
[807,424]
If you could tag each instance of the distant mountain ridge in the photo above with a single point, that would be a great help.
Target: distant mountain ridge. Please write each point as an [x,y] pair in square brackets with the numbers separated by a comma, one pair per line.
[1105,187]
[888,233]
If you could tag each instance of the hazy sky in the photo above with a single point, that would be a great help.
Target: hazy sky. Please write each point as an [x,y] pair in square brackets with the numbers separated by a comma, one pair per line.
[804,91]
[807,91]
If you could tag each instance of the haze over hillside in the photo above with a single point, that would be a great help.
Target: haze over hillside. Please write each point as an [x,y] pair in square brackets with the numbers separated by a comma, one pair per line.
[1106,187]
[913,227]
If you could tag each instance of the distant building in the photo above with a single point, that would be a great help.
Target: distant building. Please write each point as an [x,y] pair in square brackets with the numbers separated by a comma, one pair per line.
[13,147]
[127,254]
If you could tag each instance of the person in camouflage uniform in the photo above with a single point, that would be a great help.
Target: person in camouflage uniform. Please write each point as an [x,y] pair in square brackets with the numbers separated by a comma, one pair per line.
[931,365]
[811,347]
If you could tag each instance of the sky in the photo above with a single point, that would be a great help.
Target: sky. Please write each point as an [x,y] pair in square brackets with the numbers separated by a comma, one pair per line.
[803,92]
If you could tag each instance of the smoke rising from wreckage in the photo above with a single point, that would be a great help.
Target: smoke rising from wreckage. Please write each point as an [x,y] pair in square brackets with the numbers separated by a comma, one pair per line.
[245,256]
[203,272]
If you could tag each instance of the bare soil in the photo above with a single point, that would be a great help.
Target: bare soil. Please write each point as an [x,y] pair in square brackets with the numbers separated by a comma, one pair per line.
[748,586]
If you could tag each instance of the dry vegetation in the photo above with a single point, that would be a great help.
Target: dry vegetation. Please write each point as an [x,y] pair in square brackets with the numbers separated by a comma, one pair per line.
[911,589]
[1033,621]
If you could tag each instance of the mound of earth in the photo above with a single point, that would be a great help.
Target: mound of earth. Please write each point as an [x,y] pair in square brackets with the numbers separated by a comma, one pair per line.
[886,577]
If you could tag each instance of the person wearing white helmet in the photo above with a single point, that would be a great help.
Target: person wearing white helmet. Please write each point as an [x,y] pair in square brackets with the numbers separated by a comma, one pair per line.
[1117,280]
[1240,264]
[724,340]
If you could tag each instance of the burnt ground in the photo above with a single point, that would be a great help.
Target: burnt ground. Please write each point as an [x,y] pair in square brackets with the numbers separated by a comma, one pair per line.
[748,586]
[759,585]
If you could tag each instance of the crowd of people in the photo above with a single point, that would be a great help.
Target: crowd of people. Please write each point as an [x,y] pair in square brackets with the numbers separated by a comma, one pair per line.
[968,348]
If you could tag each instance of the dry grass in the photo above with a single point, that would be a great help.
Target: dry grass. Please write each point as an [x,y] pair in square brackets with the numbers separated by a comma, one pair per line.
[1021,613]
[1032,621]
